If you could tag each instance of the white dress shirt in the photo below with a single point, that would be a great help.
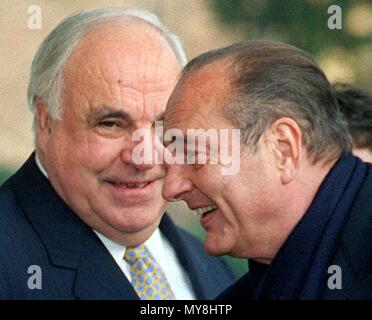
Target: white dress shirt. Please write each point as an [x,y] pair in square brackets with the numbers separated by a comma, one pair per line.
[161,251]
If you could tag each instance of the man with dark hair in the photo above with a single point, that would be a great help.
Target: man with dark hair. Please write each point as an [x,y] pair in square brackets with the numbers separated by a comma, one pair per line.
[300,207]
[356,106]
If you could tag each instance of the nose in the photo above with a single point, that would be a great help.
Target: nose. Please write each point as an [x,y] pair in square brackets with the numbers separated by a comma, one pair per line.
[142,152]
[126,157]
[177,185]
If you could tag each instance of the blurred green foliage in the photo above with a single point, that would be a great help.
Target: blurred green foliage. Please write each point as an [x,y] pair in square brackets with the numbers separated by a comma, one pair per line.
[238,266]
[305,24]
[301,23]
[4,174]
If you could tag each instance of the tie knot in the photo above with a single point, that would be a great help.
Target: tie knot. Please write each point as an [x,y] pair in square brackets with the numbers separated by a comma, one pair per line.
[133,253]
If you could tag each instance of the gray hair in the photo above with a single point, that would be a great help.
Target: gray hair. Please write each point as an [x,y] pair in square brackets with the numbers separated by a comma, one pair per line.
[45,80]
[271,80]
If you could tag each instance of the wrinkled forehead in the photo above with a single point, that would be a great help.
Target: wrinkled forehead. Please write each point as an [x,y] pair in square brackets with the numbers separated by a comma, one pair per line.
[131,52]
[199,96]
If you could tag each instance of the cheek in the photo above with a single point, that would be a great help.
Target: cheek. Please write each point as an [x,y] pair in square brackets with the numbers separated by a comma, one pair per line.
[210,180]
[218,186]
[83,150]
[235,200]
[100,153]
[222,190]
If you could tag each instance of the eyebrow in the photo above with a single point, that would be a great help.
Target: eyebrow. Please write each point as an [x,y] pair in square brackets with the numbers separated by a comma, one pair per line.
[105,112]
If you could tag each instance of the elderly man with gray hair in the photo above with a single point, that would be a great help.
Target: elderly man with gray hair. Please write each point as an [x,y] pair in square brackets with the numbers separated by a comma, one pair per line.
[81,219]
[300,208]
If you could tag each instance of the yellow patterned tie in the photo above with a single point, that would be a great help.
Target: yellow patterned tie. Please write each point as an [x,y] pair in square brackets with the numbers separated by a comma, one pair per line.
[148,279]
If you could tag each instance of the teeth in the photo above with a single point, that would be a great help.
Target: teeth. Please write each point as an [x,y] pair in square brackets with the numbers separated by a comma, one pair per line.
[201,211]
[135,185]
[132,185]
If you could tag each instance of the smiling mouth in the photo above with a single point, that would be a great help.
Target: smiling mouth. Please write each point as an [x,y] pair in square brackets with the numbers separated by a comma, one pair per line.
[204,211]
[131,185]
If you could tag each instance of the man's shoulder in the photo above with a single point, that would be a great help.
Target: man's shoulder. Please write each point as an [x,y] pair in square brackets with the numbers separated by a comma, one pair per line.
[10,210]
[361,209]
[15,242]
[354,253]
[18,236]
[15,226]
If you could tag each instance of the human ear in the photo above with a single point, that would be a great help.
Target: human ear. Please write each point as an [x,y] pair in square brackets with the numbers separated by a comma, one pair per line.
[43,124]
[286,145]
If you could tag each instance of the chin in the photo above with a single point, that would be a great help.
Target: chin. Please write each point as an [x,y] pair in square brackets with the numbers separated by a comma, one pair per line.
[213,248]
[139,224]
[132,221]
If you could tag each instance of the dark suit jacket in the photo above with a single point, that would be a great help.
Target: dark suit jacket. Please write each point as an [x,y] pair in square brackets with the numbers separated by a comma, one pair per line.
[38,228]
[335,231]
[354,252]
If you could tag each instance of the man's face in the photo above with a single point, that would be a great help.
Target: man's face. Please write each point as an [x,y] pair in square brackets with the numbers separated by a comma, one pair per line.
[118,79]
[239,221]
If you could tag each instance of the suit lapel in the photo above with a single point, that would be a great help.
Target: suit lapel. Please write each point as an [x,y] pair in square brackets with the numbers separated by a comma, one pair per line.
[69,242]
[109,281]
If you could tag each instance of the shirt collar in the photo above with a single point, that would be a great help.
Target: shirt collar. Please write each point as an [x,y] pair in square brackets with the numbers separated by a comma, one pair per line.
[40,166]
[153,244]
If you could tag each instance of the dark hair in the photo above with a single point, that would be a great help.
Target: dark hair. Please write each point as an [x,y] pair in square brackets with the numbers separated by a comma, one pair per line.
[356,105]
[271,80]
